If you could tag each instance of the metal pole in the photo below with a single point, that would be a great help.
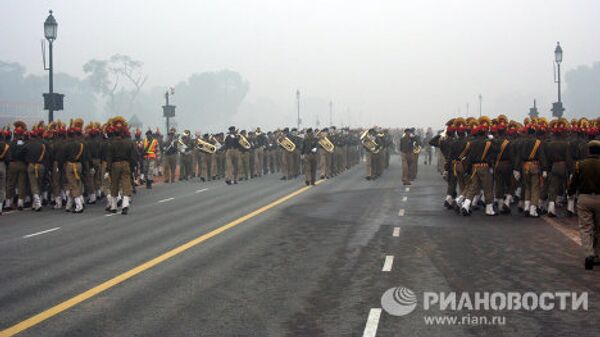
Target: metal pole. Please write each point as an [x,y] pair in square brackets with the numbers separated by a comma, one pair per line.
[167,104]
[480,100]
[330,113]
[51,87]
[558,64]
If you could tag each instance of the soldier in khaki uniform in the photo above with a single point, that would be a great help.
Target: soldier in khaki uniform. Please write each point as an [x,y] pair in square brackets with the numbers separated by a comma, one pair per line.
[586,182]
[232,157]
[528,159]
[170,156]
[479,162]
[406,150]
[309,155]
[325,157]
[36,157]
[209,161]
[120,155]
[76,164]
[17,168]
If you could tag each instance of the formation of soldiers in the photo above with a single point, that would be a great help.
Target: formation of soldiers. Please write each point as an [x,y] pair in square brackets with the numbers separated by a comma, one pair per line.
[495,163]
[67,167]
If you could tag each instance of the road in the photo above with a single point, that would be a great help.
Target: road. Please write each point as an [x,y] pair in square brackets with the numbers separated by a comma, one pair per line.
[273,258]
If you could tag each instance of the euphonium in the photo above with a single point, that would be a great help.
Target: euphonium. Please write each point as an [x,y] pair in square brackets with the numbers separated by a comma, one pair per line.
[244,142]
[416,148]
[286,143]
[205,146]
[325,143]
[369,143]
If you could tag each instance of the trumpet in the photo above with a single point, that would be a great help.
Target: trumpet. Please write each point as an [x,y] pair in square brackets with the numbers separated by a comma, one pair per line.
[286,143]
[205,146]
[325,143]
[369,142]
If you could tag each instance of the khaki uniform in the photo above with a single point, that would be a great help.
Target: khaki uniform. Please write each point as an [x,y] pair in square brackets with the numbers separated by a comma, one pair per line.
[586,182]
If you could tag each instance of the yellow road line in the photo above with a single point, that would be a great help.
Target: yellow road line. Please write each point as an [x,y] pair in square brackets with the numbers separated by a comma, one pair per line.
[57,309]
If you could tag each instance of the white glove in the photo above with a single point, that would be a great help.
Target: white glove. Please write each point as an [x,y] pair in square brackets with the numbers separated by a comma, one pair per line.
[92,171]
[491,170]
[106,175]
[516,174]
[490,136]
[302,157]
[545,174]
[314,150]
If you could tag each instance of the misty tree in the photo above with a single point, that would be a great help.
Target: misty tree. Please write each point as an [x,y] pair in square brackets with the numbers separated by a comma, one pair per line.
[210,99]
[16,86]
[119,80]
[582,96]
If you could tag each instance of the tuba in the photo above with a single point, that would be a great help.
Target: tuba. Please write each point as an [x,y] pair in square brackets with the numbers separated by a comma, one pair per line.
[244,142]
[286,143]
[416,148]
[205,146]
[369,143]
[325,143]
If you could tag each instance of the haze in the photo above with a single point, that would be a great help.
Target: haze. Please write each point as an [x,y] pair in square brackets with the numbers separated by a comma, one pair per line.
[390,63]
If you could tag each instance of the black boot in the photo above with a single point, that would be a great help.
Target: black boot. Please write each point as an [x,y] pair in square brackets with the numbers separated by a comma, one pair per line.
[149,184]
[589,263]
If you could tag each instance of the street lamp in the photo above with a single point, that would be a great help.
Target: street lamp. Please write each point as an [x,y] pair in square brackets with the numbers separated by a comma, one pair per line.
[168,109]
[330,113]
[557,107]
[52,101]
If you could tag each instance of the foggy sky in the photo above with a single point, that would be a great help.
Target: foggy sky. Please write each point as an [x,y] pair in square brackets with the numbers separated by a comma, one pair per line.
[391,63]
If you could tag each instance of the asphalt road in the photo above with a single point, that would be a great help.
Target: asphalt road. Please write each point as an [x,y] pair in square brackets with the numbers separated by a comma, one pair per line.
[308,265]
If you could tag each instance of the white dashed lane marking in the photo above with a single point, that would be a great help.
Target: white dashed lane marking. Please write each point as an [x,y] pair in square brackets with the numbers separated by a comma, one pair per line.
[407,189]
[404,199]
[401,212]
[396,232]
[389,261]
[168,199]
[372,323]
[202,190]
[40,233]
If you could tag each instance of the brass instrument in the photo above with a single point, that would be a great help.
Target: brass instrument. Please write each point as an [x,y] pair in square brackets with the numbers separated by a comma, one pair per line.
[369,143]
[325,143]
[416,148]
[205,146]
[286,144]
[216,142]
[244,142]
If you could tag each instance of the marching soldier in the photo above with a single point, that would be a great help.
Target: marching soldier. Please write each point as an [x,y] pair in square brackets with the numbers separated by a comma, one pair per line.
[558,163]
[244,162]
[325,157]
[407,146]
[503,148]
[121,153]
[287,158]
[170,156]
[150,157]
[528,166]
[36,157]
[209,161]
[232,156]
[586,182]
[479,162]
[185,146]
[309,154]
[76,163]
[260,140]
[93,181]
[17,168]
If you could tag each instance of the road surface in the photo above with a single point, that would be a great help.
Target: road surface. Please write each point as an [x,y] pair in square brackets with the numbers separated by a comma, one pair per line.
[274,258]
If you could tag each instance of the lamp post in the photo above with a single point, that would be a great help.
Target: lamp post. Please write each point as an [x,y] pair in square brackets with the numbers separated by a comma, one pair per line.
[168,110]
[557,107]
[298,99]
[480,104]
[50,30]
